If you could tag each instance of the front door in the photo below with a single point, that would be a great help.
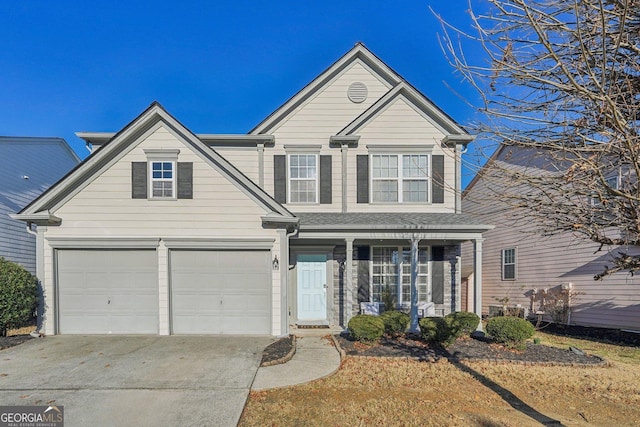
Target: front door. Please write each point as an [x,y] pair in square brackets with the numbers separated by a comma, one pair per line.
[312,287]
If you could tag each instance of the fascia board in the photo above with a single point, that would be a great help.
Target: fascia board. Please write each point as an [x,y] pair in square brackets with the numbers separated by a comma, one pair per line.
[39,218]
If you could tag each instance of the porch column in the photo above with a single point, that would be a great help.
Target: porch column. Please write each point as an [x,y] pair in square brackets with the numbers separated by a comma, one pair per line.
[348,280]
[414,287]
[477,279]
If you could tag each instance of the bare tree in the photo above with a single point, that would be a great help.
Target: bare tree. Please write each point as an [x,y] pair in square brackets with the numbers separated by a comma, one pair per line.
[562,82]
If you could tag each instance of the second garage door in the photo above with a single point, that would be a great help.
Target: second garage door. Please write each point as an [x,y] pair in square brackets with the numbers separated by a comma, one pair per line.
[220,292]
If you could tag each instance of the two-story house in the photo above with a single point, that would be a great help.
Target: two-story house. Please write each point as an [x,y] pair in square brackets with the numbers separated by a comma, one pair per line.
[348,191]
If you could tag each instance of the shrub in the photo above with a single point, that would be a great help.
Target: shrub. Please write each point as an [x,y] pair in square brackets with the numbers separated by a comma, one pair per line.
[435,329]
[511,331]
[462,323]
[395,322]
[18,295]
[365,327]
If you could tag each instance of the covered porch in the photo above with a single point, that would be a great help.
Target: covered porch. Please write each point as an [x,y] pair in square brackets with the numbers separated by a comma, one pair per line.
[338,261]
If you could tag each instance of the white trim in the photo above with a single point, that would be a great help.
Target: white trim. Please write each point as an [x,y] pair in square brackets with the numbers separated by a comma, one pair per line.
[302,149]
[103,242]
[316,179]
[399,148]
[217,244]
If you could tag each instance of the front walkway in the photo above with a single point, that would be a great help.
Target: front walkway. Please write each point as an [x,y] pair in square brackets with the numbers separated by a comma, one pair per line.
[316,357]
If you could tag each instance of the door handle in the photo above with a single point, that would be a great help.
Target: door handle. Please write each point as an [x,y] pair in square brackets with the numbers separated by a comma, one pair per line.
[325,286]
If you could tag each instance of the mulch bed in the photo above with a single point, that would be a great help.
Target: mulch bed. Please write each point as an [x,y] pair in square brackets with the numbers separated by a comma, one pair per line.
[6,342]
[470,349]
[280,351]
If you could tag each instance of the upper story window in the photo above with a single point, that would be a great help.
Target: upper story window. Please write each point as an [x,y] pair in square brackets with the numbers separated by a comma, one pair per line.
[509,264]
[400,178]
[303,178]
[162,179]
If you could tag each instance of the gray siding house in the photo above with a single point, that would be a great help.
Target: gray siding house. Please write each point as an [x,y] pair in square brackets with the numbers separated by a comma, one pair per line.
[28,166]
[349,190]
[520,265]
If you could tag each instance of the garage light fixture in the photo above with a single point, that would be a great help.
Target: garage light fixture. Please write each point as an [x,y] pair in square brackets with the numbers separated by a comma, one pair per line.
[276,263]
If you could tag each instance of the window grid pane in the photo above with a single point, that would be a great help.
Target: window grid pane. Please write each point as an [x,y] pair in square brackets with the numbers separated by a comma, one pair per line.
[162,179]
[509,264]
[387,263]
[303,178]
[404,180]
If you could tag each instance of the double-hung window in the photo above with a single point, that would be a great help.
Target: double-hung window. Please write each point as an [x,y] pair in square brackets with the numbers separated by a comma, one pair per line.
[303,178]
[509,264]
[163,179]
[400,178]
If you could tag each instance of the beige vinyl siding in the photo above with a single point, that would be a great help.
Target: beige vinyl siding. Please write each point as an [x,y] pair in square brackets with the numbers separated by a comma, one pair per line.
[329,110]
[401,124]
[245,159]
[319,118]
[547,262]
[104,207]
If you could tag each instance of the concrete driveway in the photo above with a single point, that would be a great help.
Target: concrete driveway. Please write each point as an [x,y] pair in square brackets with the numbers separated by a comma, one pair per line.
[134,380]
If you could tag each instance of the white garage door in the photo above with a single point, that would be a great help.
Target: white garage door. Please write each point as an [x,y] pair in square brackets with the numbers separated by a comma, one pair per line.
[220,292]
[107,291]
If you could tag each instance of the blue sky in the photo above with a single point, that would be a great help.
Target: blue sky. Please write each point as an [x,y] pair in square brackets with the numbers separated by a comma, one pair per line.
[218,66]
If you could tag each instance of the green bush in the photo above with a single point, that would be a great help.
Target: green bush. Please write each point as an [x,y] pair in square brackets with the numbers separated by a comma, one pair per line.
[365,327]
[462,323]
[395,322]
[511,331]
[18,295]
[435,330]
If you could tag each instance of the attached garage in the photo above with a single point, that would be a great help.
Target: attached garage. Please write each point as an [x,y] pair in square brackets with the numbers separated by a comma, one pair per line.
[103,291]
[220,292]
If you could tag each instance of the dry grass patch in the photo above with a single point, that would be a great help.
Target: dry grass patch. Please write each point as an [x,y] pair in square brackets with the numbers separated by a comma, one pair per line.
[369,391]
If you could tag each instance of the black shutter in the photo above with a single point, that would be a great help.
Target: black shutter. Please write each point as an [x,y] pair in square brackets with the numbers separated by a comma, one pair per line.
[139,180]
[437,179]
[437,279]
[325,179]
[280,178]
[362,170]
[185,180]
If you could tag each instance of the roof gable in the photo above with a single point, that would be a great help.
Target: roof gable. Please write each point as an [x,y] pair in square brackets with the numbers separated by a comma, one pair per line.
[415,99]
[359,53]
[124,141]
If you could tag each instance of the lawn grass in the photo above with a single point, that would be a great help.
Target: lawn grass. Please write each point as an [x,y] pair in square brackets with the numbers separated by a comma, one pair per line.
[369,391]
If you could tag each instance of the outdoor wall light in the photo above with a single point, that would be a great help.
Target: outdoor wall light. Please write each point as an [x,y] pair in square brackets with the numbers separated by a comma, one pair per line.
[276,263]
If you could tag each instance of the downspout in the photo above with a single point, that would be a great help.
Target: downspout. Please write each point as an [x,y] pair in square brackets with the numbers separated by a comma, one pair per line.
[284,282]
[30,231]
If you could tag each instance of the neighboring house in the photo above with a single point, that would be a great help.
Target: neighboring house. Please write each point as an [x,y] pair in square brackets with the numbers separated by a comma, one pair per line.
[516,261]
[28,166]
[348,190]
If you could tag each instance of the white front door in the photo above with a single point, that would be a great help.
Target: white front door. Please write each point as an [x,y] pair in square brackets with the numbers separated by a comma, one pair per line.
[312,287]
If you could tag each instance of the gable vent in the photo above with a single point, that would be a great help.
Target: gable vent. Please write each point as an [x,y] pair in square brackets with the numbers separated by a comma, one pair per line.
[357,92]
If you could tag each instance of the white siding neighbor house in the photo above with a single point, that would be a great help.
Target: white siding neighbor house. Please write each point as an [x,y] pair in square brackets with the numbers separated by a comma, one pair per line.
[28,166]
[526,268]
[349,190]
